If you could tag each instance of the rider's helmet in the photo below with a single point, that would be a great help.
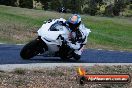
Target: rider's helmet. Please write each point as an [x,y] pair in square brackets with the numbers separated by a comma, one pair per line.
[74,22]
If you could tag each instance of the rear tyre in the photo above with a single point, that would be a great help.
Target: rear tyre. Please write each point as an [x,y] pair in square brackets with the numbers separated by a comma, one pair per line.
[76,56]
[65,52]
[33,48]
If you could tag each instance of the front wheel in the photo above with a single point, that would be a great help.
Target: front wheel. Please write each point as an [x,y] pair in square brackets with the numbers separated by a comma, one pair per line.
[32,49]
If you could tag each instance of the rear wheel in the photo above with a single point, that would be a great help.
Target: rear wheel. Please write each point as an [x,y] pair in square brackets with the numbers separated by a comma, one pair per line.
[65,52]
[76,56]
[33,48]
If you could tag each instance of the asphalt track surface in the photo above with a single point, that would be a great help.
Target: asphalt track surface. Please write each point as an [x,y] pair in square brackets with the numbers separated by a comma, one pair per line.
[9,54]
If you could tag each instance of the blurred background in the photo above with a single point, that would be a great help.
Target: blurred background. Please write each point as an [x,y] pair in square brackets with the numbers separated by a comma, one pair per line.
[109,20]
[91,7]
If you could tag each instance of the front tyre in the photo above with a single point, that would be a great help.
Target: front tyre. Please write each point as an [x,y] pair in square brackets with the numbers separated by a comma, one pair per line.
[32,49]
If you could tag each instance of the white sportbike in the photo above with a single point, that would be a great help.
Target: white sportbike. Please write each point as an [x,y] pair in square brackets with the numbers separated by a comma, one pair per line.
[53,37]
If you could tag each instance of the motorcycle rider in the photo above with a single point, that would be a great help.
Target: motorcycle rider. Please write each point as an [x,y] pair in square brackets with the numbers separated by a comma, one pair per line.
[77,36]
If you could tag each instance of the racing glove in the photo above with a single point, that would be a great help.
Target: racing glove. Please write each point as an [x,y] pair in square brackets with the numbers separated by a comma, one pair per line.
[75,46]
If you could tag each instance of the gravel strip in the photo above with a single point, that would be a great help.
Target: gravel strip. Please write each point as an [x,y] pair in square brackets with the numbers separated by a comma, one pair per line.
[59,77]
[10,67]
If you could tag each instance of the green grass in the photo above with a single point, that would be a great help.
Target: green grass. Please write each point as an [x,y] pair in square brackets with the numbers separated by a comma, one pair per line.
[16,25]
[111,32]
[19,71]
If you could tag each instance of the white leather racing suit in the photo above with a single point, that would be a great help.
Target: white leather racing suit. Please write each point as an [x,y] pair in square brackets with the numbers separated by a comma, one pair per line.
[78,39]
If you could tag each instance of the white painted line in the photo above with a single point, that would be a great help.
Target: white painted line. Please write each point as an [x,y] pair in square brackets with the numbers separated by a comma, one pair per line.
[19,44]
[99,49]
[2,43]
[111,50]
[10,67]
[11,44]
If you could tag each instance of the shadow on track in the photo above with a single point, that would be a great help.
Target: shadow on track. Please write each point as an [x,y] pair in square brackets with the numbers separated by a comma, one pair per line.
[54,60]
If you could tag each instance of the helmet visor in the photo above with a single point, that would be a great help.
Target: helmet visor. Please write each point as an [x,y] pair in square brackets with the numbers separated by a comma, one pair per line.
[73,19]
